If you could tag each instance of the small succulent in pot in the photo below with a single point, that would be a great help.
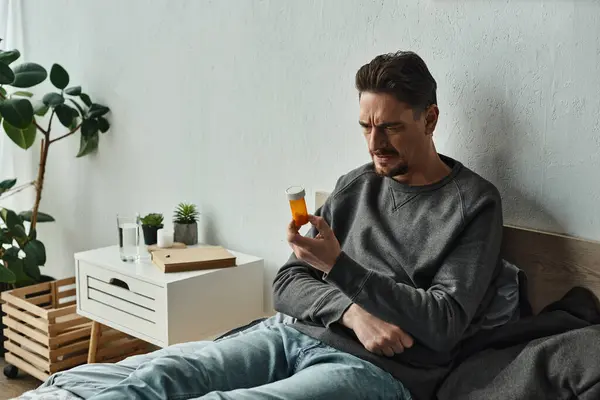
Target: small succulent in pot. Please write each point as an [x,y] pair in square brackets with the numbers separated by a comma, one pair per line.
[185,221]
[151,223]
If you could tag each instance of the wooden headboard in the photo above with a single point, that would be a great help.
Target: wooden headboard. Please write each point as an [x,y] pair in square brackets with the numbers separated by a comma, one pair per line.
[553,263]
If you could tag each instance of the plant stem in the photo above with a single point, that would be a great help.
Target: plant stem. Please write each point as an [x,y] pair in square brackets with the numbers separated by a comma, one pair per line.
[39,127]
[39,183]
[66,134]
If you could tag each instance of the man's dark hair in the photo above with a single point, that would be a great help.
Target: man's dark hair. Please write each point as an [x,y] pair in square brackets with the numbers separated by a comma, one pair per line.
[403,74]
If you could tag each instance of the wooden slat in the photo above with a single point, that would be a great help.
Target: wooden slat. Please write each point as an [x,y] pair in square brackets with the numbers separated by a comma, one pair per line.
[72,348]
[24,304]
[66,281]
[68,303]
[553,263]
[24,341]
[68,337]
[37,322]
[47,298]
[54,294]
[111,336]
[26,367]
[70,362]
[41,337]
[122,357]
[57,328]
[67,293]
[59,312]
[40,287]
[31,358]
[121,349]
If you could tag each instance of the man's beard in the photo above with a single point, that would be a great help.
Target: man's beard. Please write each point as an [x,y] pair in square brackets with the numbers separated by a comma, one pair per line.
[400,169]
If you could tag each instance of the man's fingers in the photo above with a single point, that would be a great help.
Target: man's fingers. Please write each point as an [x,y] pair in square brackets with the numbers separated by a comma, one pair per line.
[321,225]
[406,339]
[398,348]
[388,351]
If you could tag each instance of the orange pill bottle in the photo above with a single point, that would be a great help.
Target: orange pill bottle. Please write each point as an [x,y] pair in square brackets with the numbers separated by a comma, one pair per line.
[295,195]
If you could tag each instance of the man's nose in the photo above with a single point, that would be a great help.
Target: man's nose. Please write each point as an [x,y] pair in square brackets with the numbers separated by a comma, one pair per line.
[377,138]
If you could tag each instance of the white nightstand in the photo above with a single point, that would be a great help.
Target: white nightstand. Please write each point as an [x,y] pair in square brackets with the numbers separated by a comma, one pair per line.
[164,309]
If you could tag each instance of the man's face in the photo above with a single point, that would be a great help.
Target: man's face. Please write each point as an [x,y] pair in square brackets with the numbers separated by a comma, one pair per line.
[398,143]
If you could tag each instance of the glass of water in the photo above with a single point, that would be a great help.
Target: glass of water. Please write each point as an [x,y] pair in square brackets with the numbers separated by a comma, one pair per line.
[129,236]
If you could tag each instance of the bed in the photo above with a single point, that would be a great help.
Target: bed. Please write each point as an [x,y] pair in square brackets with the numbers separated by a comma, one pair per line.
[552,355]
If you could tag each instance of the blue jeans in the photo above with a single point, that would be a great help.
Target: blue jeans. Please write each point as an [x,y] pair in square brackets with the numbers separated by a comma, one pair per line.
[271,362]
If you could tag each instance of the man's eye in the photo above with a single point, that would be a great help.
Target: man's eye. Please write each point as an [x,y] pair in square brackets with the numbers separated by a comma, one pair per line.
[366,130]
[394,129]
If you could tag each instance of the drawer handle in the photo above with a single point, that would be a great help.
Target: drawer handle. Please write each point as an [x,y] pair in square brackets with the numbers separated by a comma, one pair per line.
[119,283]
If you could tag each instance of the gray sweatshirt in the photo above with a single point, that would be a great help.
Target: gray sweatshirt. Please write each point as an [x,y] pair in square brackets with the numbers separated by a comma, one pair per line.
[420,257]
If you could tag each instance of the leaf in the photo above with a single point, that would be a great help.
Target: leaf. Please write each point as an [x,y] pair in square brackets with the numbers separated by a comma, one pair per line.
[17,267]
[41,109]
[24,138]
[36,250]
[28,75]
[65,114]
[18,232]
[103,124]
[41,217]
[88,145]
[5,237]
[22,93]
[86,99]
[73,91]
[6,275]
[8,57]
[31,268]
[7,76]
[3,91]
[89,127]
[18,112]
[59,76]
[78,107]
[11,254]
[53,99]
[97,110]
[10,218]
[7,184]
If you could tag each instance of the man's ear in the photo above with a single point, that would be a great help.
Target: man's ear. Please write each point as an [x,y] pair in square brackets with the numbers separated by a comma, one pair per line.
[431,118]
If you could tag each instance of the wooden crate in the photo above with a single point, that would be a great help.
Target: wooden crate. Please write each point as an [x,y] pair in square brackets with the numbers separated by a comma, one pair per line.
[44,334]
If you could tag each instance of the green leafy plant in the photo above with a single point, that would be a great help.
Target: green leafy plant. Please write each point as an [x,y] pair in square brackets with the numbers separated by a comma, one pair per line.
[185,213]
[74,109]
[21,253]
[152,219]
[21,120]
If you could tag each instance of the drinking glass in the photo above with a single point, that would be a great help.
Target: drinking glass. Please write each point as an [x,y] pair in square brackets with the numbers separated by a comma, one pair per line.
[129,236]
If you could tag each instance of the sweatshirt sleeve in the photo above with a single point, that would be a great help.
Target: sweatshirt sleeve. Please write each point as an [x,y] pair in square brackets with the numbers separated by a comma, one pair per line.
[299,290]
[439,315]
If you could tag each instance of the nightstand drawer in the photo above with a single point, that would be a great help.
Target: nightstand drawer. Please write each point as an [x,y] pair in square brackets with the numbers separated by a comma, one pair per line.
[124,300]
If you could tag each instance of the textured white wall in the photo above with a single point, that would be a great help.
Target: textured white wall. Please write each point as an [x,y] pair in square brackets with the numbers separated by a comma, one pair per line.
[226,103]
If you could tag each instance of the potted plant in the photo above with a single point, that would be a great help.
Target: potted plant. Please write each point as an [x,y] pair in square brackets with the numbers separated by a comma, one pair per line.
[185,222]
[21,253]
[24,120]
[151,223]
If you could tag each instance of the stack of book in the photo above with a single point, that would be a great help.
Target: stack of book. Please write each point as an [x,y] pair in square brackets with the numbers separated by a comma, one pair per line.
[192,259]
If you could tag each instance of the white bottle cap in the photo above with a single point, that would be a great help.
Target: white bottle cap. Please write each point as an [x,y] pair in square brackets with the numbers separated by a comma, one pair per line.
[295,193]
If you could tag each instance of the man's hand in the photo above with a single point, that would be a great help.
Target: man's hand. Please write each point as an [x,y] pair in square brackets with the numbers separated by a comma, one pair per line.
[376,335]
[320,252]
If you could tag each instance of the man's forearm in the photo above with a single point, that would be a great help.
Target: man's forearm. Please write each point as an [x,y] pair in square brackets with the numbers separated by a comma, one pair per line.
[299,292]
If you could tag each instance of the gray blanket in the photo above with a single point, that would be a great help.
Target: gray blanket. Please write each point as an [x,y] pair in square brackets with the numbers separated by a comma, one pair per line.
[555,355]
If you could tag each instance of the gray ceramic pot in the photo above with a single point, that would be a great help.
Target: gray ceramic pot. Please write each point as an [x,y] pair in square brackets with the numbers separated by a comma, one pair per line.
[186,233]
